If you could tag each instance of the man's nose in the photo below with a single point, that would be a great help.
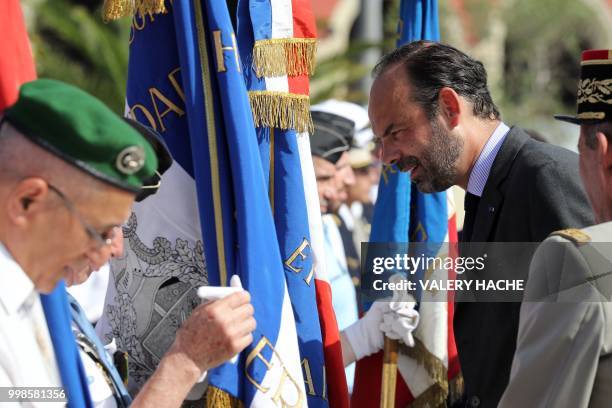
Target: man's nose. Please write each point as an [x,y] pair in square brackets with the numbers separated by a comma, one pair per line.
[350,177]
[388,155]
[98,256]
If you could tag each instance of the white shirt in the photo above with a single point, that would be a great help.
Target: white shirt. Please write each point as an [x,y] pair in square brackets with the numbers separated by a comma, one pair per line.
[26,352]
[482,167]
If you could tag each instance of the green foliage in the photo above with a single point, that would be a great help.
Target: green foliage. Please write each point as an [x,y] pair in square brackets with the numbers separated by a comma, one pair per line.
[73,44]
[543,45]
[340,76]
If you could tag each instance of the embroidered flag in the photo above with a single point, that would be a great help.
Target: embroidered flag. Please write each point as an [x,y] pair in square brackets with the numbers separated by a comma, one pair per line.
[186,80]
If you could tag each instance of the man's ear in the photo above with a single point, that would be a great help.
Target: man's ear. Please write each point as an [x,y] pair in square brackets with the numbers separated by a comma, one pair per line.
[449,106]
[604,152]
[26,198]
[604,156]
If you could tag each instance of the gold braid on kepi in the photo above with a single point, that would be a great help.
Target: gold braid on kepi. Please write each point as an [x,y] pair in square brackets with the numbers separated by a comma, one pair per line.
[116,9]
[594,96]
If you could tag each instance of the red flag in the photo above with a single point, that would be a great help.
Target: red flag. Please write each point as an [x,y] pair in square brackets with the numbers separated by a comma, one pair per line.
[16,63]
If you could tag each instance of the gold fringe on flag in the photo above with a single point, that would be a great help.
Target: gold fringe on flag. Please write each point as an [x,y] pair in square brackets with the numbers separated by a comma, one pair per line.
[434,396]
[456,388]
[116,9]
[217,398]
[433,365]
[284,56]
[282,110]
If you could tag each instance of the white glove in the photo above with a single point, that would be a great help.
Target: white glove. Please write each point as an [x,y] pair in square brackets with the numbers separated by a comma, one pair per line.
[365,336]
[212,293]
[400,321]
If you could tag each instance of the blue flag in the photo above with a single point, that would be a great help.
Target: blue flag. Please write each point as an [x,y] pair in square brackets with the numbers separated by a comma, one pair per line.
[72,373]
[404,215]
[428,212]
[280,157]
[186,79]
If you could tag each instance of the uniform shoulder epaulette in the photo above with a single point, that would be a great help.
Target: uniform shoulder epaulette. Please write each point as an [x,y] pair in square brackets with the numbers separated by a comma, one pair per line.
[572,234]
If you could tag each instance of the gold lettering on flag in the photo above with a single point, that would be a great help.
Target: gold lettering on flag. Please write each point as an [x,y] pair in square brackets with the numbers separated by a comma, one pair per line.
[298,252]
[145,111]
[308,377]
[171,107]
[420,234]
[286,384]
[308,279]
[220,48]
[157,95]
[175,84]
[387,168]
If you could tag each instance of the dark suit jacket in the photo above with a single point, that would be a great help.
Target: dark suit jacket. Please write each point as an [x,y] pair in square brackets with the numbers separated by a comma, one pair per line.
[533,189]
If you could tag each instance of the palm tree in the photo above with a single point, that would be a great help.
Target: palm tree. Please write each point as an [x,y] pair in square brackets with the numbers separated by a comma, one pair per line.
[72,44]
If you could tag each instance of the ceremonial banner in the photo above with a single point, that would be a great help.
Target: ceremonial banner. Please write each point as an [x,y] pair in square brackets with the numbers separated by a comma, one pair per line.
[403,214]
[290,164]
[186,80]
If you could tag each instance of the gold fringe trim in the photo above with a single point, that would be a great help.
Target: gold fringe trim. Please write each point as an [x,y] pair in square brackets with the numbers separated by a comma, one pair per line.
[284,56]
[456,388]
[436,395]
[217,398]
[422,356]
[282,110]
[433,397]
[116,9]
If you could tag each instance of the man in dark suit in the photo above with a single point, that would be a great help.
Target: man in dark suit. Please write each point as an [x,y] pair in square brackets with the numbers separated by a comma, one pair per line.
[432,113]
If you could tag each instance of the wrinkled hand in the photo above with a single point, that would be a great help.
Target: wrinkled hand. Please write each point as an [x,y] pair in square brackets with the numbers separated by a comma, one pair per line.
[216,331]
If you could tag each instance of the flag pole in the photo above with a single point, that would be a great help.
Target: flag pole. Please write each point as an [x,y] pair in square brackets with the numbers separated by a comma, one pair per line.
[389,374]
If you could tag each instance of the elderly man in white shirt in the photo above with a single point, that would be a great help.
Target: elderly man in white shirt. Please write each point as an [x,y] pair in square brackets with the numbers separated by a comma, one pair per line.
[70,165]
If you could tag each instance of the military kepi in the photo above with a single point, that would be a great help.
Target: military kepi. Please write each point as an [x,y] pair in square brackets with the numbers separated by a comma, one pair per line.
[594,88]
[81,130]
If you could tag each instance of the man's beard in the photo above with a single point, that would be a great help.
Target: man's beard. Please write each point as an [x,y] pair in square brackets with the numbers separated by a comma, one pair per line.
[437,165]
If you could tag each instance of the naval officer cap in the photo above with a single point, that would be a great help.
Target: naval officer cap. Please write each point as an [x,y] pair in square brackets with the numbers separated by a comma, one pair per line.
[81,130]
[332,135]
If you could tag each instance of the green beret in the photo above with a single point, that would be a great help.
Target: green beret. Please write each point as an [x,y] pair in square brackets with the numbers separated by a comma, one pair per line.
[81,130]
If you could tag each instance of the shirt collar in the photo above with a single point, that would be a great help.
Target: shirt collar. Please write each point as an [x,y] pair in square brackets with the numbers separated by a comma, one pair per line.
[482,167]
[16,288]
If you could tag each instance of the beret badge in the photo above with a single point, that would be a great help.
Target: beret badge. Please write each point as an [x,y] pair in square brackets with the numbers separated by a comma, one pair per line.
[130,160]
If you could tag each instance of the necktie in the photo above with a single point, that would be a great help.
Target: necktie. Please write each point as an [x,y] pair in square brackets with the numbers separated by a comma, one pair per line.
[471,207]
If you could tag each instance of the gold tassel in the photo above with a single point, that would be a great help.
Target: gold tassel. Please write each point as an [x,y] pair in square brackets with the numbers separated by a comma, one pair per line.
[281,110]
[217,398]
[422,356]
[115,9]
[456,388]
[284,56]
[436,395]
[433,397]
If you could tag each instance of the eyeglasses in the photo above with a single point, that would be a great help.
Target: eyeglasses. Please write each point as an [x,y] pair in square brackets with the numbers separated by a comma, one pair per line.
[102,239]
